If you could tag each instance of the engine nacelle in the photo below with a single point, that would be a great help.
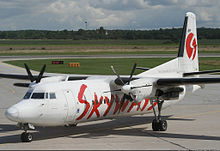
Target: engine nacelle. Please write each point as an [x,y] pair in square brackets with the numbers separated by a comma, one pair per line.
[144,88]
[170,94]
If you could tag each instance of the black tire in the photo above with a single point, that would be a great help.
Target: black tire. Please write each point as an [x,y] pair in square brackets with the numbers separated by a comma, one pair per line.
[163,125]
[155,125]
[23,137]
[73,125]
[29,137]
[26,137]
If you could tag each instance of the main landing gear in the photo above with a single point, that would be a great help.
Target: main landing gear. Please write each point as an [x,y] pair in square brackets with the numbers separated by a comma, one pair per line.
[25,136]
[158,124]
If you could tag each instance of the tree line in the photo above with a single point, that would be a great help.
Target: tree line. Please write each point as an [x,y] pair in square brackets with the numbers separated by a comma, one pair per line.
[173,34]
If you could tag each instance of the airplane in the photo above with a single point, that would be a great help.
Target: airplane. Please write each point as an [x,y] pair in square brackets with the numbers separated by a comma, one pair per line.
[69,100]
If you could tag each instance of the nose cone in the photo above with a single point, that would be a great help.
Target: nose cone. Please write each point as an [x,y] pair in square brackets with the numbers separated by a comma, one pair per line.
[12,114]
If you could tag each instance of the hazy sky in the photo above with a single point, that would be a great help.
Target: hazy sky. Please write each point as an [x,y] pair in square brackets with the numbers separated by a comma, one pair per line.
[111,14]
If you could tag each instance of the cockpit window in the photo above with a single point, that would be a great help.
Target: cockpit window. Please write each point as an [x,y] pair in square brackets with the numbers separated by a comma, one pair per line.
[27,95]
[52,96]
[37,96]
[46,95]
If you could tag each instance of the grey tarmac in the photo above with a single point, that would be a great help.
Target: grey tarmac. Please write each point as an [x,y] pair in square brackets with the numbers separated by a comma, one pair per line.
[193,123]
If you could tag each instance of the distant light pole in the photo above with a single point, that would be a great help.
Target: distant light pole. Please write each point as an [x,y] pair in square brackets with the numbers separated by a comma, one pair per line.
[86,24]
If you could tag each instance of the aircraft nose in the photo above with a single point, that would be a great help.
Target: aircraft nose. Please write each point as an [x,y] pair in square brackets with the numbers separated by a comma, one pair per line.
[12,114]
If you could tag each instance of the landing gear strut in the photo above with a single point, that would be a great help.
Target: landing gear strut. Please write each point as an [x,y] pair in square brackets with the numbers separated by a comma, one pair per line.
[158,124]
[25,136]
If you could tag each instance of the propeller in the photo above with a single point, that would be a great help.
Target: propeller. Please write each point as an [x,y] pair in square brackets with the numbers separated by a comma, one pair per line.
[32,78]
[126,87]
[39,77]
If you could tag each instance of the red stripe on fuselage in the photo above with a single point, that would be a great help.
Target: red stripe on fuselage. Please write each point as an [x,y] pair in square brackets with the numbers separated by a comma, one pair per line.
[132,105]
[109,104]
[80,98]
[125,105]
[146,101]
[95,106]
[155,103]
[117,105]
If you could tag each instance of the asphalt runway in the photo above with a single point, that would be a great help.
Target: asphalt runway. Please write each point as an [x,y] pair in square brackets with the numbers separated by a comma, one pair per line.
[193,123]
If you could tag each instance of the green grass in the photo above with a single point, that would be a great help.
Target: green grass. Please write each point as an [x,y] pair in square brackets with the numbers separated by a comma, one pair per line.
[102,66]
[94,47]
[108,42]
[86,53]
[34,53]
[69,42]
[92,66]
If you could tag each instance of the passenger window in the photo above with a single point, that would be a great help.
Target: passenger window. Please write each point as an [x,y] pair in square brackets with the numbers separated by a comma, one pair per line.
[52,96]
[37,96]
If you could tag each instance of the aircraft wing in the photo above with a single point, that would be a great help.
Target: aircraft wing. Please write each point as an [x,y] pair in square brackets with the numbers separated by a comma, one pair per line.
[16,76]
[200,72]
[26,77]
[186,81]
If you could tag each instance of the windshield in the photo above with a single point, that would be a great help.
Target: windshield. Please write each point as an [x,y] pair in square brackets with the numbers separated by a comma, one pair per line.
[27,95]
[37,96]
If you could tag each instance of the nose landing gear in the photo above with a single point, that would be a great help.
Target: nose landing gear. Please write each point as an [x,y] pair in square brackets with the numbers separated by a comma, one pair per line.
[25,136]
[158,124]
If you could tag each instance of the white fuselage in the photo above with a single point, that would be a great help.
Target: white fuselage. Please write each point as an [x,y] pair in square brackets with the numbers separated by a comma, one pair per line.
[77,101]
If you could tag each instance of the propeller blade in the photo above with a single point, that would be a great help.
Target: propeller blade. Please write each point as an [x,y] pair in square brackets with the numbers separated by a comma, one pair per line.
[117,75]
[132,72]
[122,103]
[41,74]
[22,84]
[30,76]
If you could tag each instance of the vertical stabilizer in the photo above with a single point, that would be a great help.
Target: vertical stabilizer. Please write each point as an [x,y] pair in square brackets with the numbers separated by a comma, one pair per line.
[187,59]
[188,50]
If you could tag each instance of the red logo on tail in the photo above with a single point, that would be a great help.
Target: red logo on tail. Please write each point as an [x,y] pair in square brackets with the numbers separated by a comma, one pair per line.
[191,46]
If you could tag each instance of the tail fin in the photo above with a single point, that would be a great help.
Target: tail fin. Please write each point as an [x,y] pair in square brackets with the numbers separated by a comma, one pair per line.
[188,50]
[187,59]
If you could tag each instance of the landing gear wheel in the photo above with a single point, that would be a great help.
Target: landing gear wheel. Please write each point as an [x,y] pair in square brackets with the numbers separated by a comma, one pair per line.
[155,125]
[163,125]
[26,137]
[73,125]
[158,124]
